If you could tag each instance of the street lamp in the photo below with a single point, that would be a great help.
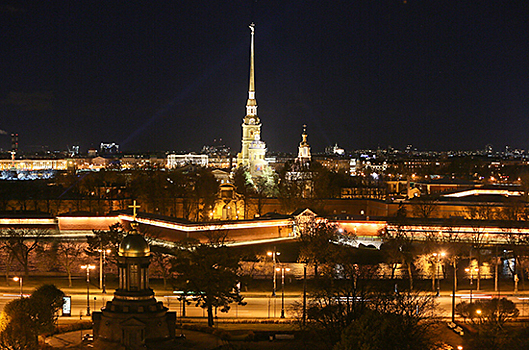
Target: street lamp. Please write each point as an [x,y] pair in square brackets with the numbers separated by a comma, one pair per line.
[454,265]
[19,279]
[283,289]
[88,268]
[471,270]
[274,255]
[478,312]
[102,263]
[436,275]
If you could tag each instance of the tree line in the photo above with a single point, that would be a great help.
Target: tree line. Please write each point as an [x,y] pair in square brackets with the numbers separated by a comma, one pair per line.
[188,193]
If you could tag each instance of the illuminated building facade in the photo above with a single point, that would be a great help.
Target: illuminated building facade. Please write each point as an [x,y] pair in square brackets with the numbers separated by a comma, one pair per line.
[180,160]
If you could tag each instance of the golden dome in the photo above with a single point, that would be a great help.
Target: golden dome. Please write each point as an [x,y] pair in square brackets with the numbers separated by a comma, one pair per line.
[134,246]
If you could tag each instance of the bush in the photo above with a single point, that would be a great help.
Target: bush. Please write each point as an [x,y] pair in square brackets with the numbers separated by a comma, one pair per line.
[495,312]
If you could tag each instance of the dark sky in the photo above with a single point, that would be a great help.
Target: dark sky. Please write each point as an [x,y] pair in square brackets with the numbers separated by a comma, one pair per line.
[173,75]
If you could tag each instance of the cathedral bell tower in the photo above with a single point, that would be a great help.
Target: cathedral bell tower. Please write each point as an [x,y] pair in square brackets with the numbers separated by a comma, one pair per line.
[253,150]
[304,148]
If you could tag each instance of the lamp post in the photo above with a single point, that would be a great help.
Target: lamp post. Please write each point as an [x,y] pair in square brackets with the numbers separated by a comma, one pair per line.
[274,255]
[454,265]
[88,268]
[19,280]
[283,289]
[102,263]
[436,276]
[470,270]
[478,312]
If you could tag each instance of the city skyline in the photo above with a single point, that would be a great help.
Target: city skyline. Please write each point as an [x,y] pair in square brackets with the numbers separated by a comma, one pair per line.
[168,76]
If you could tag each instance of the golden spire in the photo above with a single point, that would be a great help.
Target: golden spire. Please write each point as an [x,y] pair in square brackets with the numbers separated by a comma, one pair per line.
[251,106]
[252,77]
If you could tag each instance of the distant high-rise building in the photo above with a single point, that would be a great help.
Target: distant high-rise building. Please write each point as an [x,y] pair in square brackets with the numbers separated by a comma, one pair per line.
[14,142]
[253,150]
[73,151]
[109,148]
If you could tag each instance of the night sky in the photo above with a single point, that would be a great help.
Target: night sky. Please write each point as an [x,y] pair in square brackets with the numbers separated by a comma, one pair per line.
[173,75]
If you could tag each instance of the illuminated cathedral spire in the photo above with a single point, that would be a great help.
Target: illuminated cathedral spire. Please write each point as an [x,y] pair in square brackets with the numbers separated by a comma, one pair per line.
[253,150]
[251,105]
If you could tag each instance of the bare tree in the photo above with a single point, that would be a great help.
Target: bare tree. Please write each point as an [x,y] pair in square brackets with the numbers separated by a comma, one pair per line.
[479,215]
[211,271]
[424,207]
[399,245]
[67,254]
[318,238]
[22,243]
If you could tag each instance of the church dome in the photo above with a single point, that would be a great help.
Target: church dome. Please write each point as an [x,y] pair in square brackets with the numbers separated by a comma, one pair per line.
[134,246]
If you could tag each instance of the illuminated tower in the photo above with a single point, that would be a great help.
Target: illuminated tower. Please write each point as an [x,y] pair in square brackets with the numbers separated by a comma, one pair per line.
[304,148]
[253,150]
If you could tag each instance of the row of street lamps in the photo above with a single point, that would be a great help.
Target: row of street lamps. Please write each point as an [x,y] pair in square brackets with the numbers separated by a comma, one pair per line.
[275,260]
[102,284]
[274,255]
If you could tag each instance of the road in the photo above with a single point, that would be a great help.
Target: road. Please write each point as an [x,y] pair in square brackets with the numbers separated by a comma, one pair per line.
[257,306]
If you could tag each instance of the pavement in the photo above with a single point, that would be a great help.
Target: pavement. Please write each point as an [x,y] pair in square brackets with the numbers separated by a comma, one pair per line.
[192,340]
[73,340]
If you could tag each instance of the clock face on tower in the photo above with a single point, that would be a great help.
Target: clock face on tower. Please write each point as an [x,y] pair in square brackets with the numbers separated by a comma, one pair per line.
[252,121]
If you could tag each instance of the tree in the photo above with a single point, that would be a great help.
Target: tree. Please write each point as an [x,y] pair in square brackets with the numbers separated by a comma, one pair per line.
[161,263]
[18,328]
[264,186]
[160,255]
[46,301]
[66,254]
[479,214]
[24,319]
[494,312]
[514,210]
[399,246]
[489,318]
[110,239]
[206,188]
[210,271]
[391,322]
[337,299]
[22,243]
[318,239]
[243,183]
[424,207]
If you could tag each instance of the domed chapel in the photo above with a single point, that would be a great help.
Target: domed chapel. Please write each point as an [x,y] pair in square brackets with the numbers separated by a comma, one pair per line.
[134,317]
